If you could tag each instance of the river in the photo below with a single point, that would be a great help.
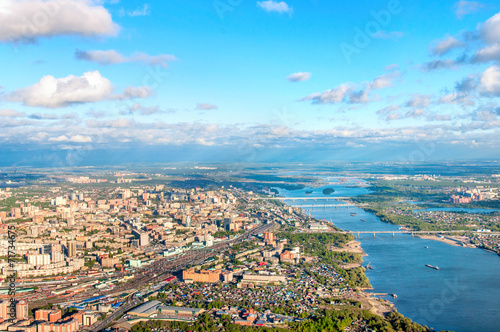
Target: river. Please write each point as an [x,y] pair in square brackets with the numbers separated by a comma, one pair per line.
[463,296]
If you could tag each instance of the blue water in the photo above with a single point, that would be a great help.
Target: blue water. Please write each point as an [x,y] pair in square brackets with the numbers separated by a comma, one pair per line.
[463,296]
[458,209]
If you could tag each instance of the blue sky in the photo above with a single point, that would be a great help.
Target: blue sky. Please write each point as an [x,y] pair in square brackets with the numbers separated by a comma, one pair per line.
[361,78]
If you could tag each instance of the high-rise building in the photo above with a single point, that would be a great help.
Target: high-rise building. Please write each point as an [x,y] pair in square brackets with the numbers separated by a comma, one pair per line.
[4,308]
[71,248]
[227,224]
[126,194]
[56,256]
[48,315]
[209,240]
[268,236]
[143,237]
[21,310]
[59,201]
[73,196]
[80,197]
[188,221]
[38,259]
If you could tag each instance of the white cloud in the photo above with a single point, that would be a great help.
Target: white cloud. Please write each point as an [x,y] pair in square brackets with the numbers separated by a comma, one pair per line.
[383,81]
[463,8]
[206,107]
[419,101]
[113,57]
[8,113]
[332,96]
[490,30]
[390,113]
[352,93]
[487,54]
[132,92]
[445,45]
[299,77]
[490,81]
[54,92]
[73,139]
[102,57]
[275,6]
[439,64]
[144,11]
[26,20]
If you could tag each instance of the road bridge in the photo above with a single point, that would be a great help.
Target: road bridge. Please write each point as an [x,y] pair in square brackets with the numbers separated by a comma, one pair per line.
[307,198]
[412,233]
[329,205]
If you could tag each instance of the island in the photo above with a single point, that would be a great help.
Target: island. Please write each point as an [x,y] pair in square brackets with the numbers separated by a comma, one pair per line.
[328,191]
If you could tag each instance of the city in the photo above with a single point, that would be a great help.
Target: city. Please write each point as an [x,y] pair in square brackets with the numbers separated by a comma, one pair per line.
[249,166]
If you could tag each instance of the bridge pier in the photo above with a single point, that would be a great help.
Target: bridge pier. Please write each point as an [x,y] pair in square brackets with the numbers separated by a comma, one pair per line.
[373,234]
[392,234]
[358,235]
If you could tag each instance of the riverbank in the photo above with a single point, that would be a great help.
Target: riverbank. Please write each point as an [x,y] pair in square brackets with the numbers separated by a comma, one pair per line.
[369,301]
[457,241]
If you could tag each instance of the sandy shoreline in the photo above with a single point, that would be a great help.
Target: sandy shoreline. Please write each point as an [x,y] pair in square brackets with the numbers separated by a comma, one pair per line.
[457,241]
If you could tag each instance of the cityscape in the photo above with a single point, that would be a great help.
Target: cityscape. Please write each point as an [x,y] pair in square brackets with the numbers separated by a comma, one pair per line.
[263,165]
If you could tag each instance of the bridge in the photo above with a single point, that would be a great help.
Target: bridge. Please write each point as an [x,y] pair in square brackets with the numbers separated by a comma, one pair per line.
[307,198]
[329,205]
[417,232]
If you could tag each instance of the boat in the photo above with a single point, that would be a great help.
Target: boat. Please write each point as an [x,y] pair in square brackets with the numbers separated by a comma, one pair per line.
[432,267]
[426,247]
[363,220]
[353,214]
[394,295]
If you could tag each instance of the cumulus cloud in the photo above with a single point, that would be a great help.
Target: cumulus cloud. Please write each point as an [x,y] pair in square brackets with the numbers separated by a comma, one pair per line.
[463,8]
[102,57]
[331,96]
[73,139]
[389,113]
[299,77]
[8,113]
[43,116]
[51,92]
[27,20]
[490,82]
[110,57]
[487,54]
[490,30]
[419,101]
[439,64]
[445,45]
[206,107]
[393,112]
[275,6]
[352,93]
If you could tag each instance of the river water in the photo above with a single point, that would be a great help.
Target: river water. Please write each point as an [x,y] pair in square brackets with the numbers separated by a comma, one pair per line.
[463,296]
